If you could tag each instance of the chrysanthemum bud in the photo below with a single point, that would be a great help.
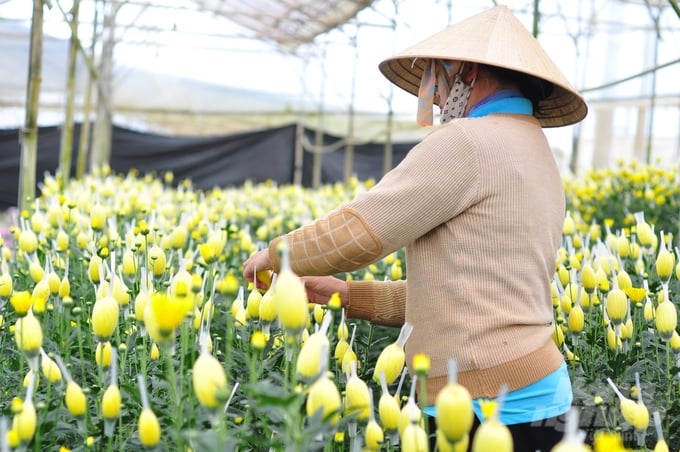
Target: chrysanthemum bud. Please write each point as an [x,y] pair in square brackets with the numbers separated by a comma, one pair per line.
[666,319]
[75,399]
[103,354]
[49,368]
[308,361]
[645,236]
[28,334]
[6,285]
[588,278]
[105,317]
[111,402]
[357,397]
[156,260]
[443,444]
[492,434]
[149,428]
[576,319]
[290,298]
[665,261]
[98,214]
[209,380]
[25,422]
[635,413]
[414,438]
[28,241]
[454,407]
[616,305]
[391,359]
[93,269]
[253,304]
[267,308]
[568,225]
[21,301]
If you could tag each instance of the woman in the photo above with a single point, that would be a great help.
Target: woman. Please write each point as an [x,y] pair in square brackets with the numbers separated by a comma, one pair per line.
[479,207]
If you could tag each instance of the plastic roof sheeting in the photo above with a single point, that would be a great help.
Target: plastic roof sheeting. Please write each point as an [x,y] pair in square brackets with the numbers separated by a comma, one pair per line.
[288,23]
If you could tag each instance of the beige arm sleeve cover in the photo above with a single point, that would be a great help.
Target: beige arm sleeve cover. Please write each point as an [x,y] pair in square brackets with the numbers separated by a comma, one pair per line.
[380,302]
[340,242]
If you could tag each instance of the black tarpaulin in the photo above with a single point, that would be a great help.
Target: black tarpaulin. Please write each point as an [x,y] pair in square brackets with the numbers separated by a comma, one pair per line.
[216,161]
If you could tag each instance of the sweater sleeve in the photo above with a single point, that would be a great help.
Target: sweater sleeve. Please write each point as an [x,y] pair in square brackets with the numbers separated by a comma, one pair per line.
[380,302]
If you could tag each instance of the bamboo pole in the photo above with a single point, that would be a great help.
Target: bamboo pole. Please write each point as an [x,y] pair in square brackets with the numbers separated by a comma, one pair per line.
[101,138]
[83,143]
[29,138]
[67,132]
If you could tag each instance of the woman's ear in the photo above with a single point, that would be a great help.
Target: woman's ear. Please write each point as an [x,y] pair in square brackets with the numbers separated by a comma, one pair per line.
[470,72]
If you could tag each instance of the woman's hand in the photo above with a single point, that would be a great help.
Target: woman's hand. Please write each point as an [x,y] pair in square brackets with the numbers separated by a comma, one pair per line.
[320,288]
[258,262]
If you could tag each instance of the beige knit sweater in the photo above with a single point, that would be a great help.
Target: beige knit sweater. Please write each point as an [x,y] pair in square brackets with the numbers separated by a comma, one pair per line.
[479,206]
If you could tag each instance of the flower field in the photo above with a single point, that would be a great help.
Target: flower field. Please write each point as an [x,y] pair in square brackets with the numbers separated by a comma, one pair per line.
[125,324]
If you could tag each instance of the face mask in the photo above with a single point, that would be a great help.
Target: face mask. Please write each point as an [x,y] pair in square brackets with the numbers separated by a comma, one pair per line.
[457,100]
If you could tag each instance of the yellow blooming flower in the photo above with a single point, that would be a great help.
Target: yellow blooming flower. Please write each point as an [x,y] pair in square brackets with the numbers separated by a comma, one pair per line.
[21,301]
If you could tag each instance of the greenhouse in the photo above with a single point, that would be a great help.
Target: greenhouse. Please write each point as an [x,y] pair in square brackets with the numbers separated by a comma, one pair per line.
[244,225]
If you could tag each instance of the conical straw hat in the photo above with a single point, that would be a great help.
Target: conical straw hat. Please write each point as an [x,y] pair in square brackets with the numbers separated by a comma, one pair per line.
[497,38]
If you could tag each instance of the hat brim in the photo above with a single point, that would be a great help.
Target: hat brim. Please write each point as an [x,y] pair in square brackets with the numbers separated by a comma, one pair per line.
[495,38]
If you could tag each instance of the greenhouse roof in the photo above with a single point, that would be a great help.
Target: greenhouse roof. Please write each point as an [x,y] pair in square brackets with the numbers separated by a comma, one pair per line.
[288,23]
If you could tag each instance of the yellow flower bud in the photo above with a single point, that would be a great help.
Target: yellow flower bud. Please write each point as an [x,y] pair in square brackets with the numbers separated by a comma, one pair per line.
[414,438]
[36,271]
[290,298]
[391,360]
[588,278]
[340,349]
[258,340]
[21,302]
[492,435]
[443,445]
[388,410]
[309,359]
[157,260]
[665,261]
[357,397]
[454,408]
[645,236]
[253,304]
[111,402]
[93,269]
[28,334]
[6,285]
[105,317]
[50,369]
[613,341]
[129,263]
[616,305]
[149,428]
[324,396]
[568,225]
[267,307]
[154,353]
[62,240]
[28,241]
[178,237]
[25,422]
[103,354]
[666,319]
[98,216]
[373,435]
[75,399]
[421,364]
[209,380]
[576,319]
